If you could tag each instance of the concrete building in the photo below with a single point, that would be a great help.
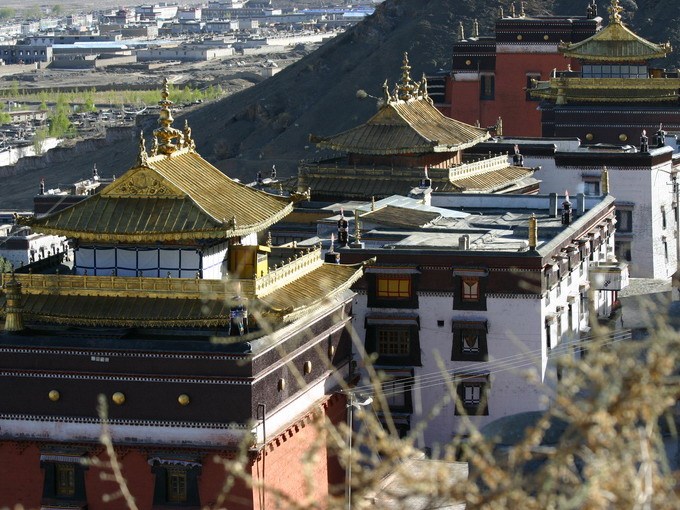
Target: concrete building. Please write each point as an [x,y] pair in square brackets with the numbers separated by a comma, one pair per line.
[185,53]
[484,292]
[23,53]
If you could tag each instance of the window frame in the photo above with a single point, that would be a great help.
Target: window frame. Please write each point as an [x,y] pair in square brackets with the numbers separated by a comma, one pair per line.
[478,407]
[461,301]
[64,479]
[412,328]
[374,300]
[487,86]
[389,279]
[462,328]
[624,219]
[162,490]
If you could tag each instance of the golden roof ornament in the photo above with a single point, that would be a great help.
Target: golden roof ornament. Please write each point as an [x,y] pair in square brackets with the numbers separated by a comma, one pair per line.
[615,10]
[475,28]
[166,135]
[533,232]
[406,86]
[188,140]
[513,14]
[461,31]
[522,14]
[143,157]
[605,181]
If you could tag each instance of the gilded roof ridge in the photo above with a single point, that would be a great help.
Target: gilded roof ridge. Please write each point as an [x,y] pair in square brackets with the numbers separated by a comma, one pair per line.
[614,32]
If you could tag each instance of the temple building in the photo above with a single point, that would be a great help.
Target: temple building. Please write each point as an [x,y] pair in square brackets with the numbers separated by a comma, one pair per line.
[200,338]
[490,75]
[641,177]
[483,293]
[614,93]
[406,144]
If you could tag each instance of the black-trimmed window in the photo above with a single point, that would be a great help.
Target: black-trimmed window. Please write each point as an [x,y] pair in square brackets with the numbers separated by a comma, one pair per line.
[591,188]
[469,292]
[392,290]
[487,86]
[622,249]
[64,479]
[176,485]
[393,286]
[473,395]
[63,482]
[397,393]
[624,220]
[469,341]
[395,344]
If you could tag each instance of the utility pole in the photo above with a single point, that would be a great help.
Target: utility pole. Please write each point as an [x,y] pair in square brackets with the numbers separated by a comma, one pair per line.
[676,199]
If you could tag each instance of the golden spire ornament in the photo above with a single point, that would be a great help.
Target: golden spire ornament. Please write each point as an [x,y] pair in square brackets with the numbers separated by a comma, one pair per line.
[615,10]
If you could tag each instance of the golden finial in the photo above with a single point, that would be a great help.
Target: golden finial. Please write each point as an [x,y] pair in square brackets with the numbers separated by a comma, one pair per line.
[501,14]
[605,181]
[166,135]
[386,93]
[143,157]
[615,10]
[13,307]
[522,14]
[357,227]
[475,28]
[533,232]
[406,86]
[513,14]
[188,140]
[373,203]
[461,31]
[423,90]
[499,126]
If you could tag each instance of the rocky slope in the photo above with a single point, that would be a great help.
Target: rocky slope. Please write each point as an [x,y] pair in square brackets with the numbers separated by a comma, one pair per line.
[270,123]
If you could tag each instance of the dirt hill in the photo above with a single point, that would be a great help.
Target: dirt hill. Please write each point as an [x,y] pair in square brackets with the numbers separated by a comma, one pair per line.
[270,123]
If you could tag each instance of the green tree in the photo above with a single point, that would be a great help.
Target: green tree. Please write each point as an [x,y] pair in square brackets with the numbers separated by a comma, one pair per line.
[5,265]
[60,124]
[7,12]
[57,10]
[39,139]
[5,118]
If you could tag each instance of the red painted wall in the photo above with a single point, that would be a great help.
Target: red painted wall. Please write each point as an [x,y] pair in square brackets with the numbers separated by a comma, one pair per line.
[298,465]
[520,117]
[21,478]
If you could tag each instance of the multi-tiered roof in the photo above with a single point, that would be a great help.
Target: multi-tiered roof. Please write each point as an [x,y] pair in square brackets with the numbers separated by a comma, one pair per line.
[407,138]
[614,63]
[173,197]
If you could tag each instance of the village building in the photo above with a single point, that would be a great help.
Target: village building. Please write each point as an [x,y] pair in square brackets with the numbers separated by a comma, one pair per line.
[480,292]
[201,339]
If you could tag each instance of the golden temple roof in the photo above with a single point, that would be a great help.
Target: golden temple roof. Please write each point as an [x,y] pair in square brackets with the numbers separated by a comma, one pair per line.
[407,123]
[103,301]
[615,43]
[171,194]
